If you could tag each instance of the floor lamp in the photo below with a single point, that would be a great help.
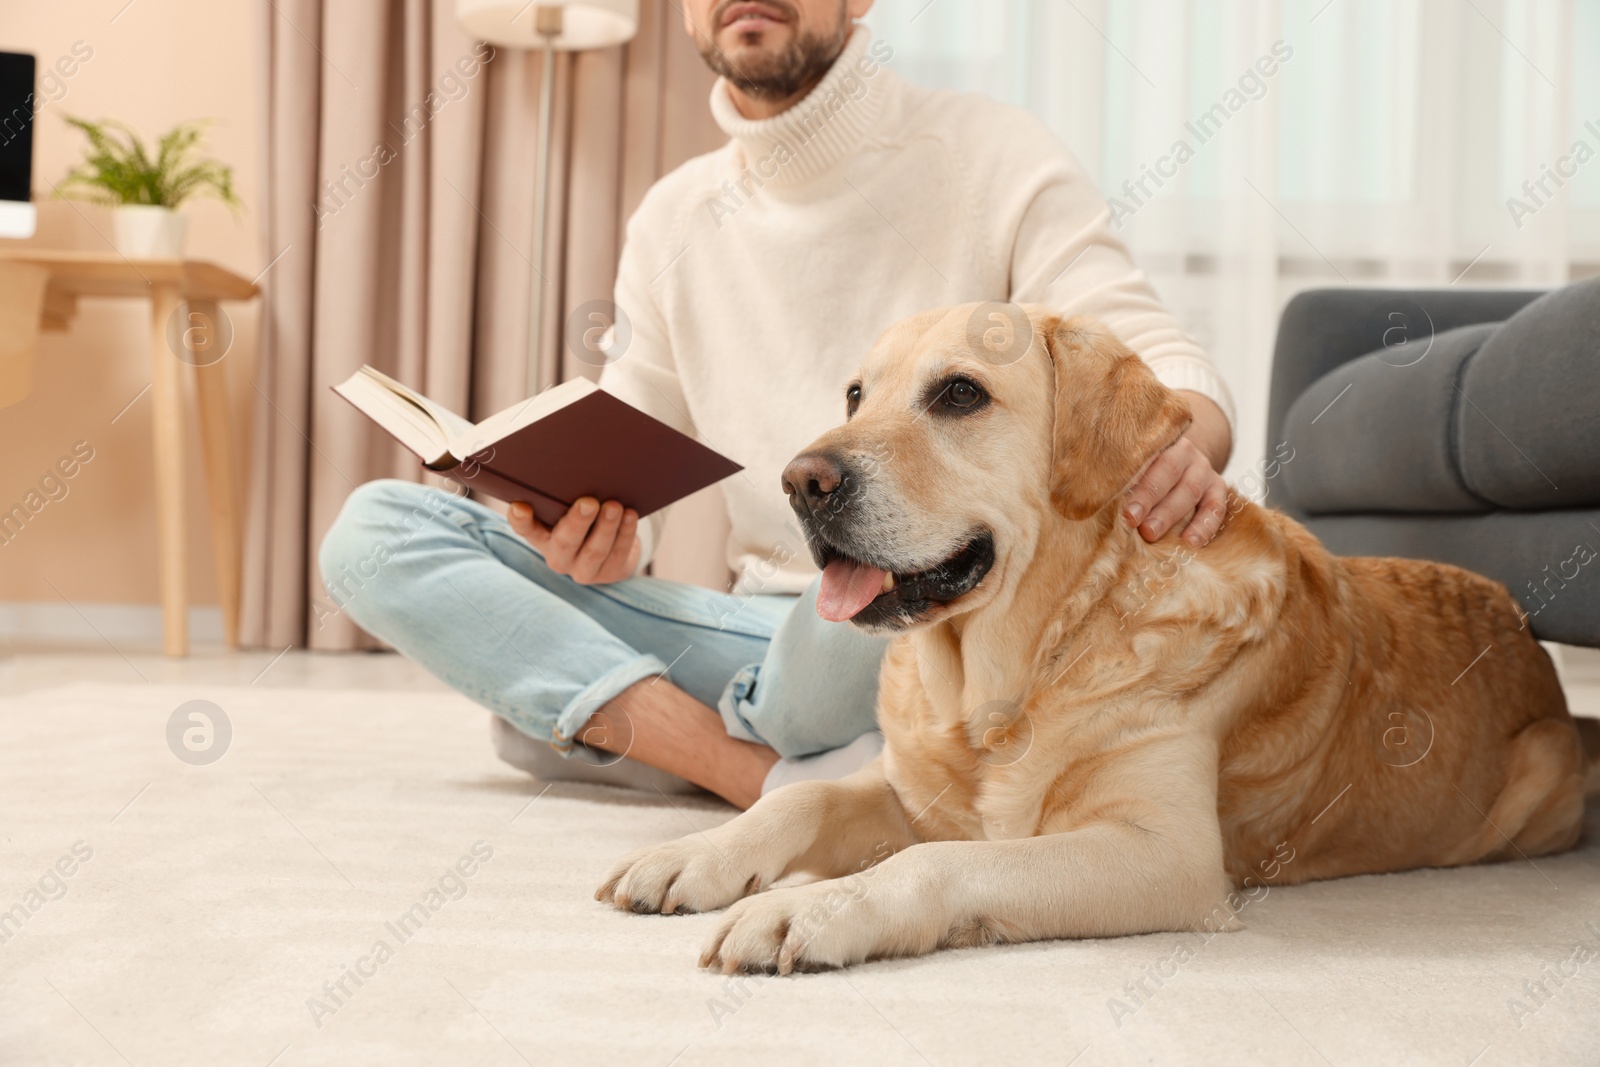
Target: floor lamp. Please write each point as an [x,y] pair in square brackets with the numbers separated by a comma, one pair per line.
[551,26]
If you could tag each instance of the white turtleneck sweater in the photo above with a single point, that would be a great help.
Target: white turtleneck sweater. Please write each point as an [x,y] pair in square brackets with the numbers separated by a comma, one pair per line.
[756,277]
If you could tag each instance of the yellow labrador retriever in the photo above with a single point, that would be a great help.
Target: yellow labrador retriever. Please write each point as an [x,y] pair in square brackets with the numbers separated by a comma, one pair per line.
[1088,735]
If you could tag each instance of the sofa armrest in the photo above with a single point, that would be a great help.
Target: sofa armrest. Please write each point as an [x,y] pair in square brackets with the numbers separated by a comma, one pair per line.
[1324,328]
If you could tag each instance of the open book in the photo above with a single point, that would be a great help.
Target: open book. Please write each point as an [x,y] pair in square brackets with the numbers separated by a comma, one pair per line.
[572,440]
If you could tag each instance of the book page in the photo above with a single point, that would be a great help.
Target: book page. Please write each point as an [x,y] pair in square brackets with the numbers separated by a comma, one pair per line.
[416,422]
[450,424]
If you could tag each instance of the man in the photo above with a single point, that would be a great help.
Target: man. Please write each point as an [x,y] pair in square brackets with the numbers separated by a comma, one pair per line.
[752,281]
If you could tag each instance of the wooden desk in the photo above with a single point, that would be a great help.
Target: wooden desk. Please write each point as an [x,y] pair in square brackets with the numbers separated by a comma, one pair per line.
[167,283]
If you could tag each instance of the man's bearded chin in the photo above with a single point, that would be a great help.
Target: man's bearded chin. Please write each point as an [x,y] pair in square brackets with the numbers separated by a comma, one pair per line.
[780,75]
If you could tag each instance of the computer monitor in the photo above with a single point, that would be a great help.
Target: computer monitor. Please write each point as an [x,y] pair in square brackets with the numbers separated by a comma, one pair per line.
[16,145]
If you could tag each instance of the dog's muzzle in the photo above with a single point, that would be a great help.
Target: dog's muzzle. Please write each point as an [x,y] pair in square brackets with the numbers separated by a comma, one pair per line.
[858,583]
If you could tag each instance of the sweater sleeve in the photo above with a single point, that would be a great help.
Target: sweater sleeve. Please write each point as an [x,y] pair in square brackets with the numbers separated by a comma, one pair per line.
[1065,255]
[640,367]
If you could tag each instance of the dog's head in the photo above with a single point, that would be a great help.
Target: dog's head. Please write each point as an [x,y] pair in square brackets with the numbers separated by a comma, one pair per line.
[969,429]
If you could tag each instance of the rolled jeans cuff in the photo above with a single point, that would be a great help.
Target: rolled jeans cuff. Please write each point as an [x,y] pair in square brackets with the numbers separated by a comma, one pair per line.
[597,694]
[735,698]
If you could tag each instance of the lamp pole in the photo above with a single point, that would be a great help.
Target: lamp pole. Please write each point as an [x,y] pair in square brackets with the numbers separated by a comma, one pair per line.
[550,29]
[548,24]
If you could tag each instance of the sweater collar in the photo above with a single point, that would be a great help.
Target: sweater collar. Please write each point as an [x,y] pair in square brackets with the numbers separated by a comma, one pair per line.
[821,128]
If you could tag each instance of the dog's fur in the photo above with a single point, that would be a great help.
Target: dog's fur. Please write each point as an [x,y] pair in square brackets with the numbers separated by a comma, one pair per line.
[1107,736]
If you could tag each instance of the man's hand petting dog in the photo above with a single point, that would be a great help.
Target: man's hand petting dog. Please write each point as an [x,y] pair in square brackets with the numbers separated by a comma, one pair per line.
[1181,485]
[593,543]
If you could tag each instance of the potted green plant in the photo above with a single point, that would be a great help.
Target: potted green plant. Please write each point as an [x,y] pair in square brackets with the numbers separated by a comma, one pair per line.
[145,187]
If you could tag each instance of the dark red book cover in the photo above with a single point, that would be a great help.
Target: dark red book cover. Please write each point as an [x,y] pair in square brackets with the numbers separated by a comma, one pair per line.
[597,446]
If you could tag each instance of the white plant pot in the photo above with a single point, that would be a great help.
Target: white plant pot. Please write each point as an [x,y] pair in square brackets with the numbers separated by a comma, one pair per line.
[142,231]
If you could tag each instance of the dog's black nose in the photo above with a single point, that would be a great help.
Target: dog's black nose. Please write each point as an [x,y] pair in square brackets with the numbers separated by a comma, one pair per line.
[812,478]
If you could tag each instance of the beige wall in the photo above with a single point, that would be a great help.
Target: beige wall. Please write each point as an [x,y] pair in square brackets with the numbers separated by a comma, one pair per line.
[156,63]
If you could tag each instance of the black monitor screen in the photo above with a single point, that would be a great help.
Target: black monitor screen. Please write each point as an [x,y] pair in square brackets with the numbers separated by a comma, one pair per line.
[16,126]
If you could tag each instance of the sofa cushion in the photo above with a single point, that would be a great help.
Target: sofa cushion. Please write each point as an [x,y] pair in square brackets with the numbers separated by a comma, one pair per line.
[1375,435]
[1528,428]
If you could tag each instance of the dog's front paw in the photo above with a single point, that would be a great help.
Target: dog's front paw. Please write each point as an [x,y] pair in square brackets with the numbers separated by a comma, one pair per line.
[679,878]
[812,928]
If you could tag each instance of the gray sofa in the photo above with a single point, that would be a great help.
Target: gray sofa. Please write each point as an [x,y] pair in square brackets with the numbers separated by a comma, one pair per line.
[1456,425]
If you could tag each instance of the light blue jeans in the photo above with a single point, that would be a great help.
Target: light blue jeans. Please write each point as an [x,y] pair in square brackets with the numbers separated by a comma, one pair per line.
[447,582]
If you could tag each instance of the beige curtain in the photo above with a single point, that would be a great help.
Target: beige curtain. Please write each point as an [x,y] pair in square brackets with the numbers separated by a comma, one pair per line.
[400,200]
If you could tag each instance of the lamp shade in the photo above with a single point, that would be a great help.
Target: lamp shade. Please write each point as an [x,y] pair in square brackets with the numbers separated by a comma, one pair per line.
[518,23]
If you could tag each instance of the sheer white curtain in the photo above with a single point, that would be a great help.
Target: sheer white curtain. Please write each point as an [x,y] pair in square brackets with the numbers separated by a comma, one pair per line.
[1253,149]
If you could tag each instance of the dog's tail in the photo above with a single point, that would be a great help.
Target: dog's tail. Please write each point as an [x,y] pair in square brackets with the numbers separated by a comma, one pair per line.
[1589,731]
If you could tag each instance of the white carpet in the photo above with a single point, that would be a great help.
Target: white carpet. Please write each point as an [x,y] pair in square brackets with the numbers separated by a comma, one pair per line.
[220,898]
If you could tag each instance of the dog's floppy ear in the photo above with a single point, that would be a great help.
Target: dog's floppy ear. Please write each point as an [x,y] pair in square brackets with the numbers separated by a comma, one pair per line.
[1111,415]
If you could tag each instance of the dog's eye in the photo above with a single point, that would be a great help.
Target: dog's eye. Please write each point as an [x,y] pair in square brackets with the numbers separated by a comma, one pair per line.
[852,399]
[963,394]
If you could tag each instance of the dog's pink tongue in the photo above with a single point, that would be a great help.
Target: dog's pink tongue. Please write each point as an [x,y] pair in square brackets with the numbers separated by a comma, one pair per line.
[847,587]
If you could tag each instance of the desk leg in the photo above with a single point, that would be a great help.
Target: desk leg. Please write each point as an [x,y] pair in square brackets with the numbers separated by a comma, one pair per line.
[222,492]
[166,399]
